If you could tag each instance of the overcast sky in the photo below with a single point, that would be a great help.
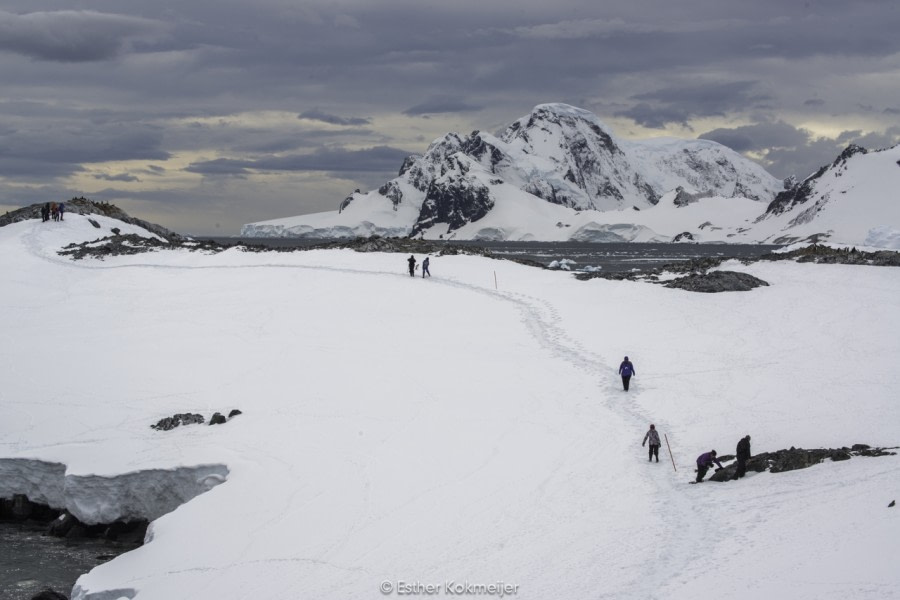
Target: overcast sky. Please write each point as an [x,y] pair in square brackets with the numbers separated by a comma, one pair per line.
[202,115]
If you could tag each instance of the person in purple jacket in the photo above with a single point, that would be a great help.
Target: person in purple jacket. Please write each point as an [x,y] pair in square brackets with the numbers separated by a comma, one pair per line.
[626,370]
[704,462]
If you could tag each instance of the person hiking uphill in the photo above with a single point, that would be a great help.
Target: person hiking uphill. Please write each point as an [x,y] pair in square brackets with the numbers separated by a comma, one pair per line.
[412,265]
[425,270]
[626,370]
[704,462]
[743,455]
[653,437]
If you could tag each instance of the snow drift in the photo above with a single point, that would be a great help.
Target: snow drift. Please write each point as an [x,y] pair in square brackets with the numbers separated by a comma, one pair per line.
[469,427]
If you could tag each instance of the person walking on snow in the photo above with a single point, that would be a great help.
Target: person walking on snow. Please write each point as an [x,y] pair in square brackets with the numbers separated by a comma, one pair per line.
[743,455]
[626,370]
[653,437]
[704,462]
[425,270]
[412,265]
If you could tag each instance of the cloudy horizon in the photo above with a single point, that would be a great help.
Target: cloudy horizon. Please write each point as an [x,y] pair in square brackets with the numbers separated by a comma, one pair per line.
[211,114]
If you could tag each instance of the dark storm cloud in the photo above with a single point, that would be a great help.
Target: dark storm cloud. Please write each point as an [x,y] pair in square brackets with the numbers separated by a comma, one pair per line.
[117,177]
[702,99]
[787,150]
[377,159]
[436,106]
[72,36]
[58,149]
[319,115]
[758,137]
[125,78]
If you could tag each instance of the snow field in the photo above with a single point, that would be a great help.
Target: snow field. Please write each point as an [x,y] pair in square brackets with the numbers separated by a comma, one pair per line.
[400,429]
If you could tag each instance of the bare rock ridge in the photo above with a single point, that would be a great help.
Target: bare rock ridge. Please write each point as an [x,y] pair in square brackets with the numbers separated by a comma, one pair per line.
[83,206]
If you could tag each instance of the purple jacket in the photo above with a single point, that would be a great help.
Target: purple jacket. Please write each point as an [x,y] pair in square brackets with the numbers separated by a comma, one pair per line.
[707,459]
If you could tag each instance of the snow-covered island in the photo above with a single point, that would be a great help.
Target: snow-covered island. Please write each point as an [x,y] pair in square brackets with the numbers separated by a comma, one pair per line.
[465,434]
[560,174]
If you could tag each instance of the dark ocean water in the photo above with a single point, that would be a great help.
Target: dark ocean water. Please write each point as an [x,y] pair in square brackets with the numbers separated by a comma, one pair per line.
[608,257]
[31,561]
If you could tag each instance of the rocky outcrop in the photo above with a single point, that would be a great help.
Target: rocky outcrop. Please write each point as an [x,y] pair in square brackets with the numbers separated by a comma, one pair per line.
[49,594]
[83,206]
[170,423]
[792,459]
[717,281]
[818,253]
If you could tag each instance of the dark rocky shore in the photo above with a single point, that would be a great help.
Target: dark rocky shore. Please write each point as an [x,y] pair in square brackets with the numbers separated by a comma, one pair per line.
[695,275]
[792,459]
[47,549]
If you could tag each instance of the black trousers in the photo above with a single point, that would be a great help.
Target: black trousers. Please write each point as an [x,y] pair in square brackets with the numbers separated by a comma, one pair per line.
[701,473]
[741,469]
[625,380]
[654,451]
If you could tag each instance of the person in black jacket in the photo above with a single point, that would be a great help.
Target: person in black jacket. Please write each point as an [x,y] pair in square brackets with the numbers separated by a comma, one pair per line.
[412,265]
[743,455]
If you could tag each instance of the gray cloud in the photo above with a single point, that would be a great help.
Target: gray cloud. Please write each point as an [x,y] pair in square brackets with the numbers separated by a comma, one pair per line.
[319,115]
[382,159]
[703,99]
[123,80]
[788,150]
[73,36]
[436,106]
[116,177]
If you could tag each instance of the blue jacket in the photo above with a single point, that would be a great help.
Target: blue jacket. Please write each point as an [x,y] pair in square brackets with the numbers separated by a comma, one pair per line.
[626,369]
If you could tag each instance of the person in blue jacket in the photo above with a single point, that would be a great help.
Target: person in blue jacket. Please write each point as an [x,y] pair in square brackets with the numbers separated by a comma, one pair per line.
[626,370]
[704,462]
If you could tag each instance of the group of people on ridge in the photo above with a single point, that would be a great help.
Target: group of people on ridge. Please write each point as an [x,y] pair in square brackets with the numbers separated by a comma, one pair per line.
[706,460]
[52,210]
[412,266]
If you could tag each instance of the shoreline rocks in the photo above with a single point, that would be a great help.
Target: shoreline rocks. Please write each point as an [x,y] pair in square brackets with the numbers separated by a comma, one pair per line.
[793,459]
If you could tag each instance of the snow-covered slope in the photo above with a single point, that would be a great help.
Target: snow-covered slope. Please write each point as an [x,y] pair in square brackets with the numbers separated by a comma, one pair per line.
[399,431]
[855,200]
[560,155]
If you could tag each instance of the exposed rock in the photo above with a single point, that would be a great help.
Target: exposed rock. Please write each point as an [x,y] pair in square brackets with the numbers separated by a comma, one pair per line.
[845,256]
[62,525]
[84,206]
[234,413]
[217,419]
[170,423]
[891,505]
[49,594]
[717,281]
[797,458]
[684,237]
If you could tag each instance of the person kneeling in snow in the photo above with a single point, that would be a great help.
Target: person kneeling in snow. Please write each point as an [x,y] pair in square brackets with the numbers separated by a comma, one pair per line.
[653,436]
[704,462]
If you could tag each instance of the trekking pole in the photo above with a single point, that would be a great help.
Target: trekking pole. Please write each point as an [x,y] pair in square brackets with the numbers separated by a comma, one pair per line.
[670,452]
[495,280]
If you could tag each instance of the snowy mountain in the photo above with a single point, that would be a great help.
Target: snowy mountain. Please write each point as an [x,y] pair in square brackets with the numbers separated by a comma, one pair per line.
[448,431]
[559,174]
[544,169]
[855,199]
